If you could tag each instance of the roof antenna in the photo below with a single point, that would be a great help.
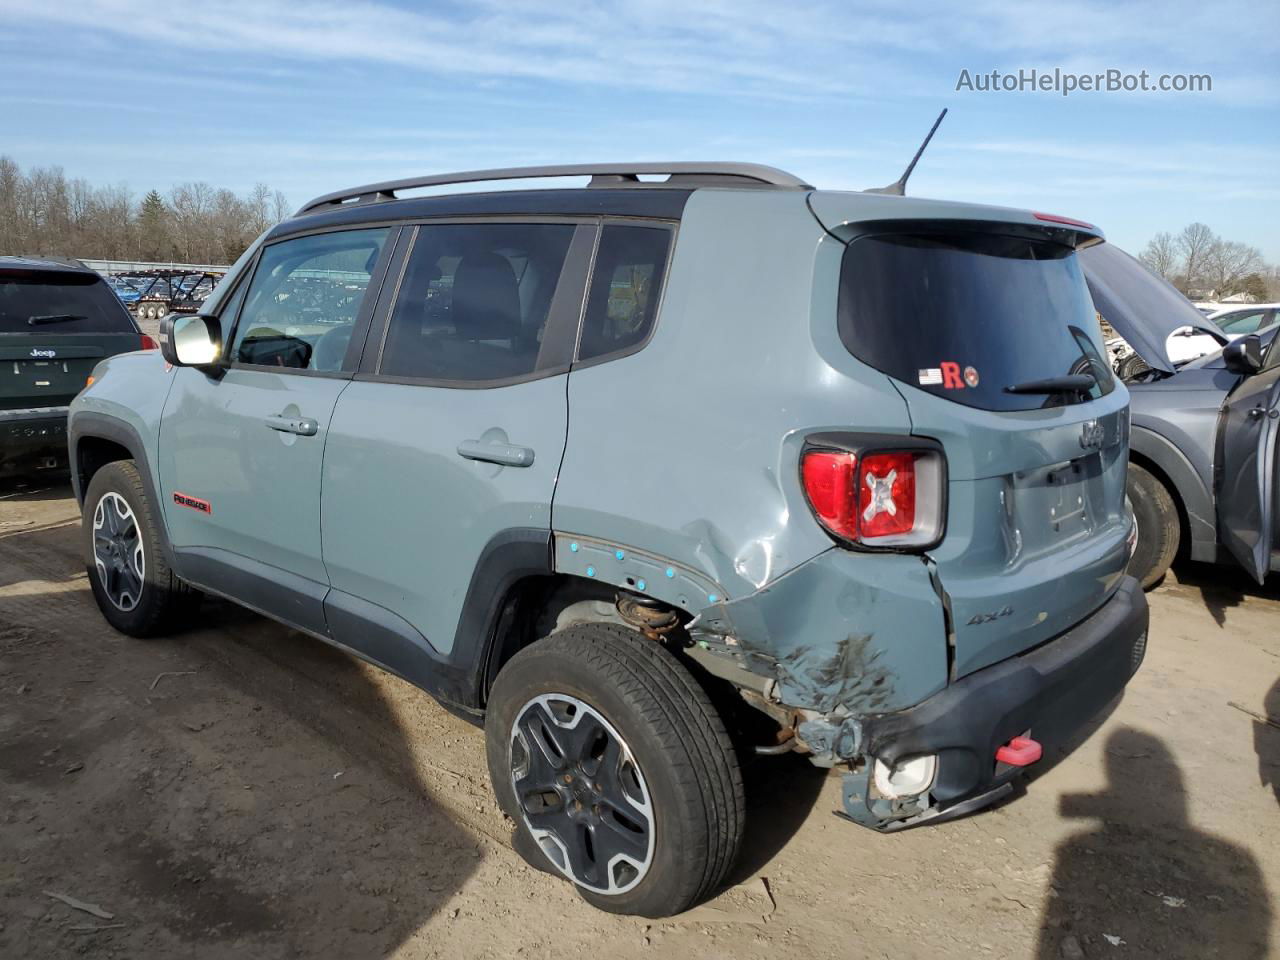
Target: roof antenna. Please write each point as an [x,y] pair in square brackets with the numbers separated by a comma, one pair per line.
[899,187]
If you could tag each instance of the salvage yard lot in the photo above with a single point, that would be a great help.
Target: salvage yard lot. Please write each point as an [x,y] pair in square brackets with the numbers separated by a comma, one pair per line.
[246,791]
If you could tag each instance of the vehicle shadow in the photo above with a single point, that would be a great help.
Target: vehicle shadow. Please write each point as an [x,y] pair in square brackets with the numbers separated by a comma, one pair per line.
[29,513]
[240,790]
[33,488]
[1143,877]
[1266,740]
[780,794]
[1223,586]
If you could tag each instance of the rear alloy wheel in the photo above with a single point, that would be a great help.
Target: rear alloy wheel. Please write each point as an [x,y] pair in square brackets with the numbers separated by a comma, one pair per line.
[582,794]
[616,769]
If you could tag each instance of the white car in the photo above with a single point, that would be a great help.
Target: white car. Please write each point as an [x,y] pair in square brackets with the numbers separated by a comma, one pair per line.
[1247,318]
[1188,343]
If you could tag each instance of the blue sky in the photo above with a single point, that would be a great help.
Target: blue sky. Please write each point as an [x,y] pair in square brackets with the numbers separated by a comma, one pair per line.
[312,96]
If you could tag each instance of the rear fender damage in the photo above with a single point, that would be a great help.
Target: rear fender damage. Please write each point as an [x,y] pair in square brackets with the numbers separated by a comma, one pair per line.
[842,638]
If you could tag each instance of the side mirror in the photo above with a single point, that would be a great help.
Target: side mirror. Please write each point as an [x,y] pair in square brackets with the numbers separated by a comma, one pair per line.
[1243,356]
[190,340]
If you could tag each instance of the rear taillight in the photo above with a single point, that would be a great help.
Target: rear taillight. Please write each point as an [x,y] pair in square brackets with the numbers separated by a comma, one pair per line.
[830,484]
[887,494]
[148,343]
[877,497]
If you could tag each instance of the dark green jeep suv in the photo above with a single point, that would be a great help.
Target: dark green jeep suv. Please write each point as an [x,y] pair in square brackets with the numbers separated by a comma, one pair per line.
[57,320]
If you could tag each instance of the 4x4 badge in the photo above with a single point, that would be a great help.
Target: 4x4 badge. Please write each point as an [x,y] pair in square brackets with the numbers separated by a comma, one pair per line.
[978,618]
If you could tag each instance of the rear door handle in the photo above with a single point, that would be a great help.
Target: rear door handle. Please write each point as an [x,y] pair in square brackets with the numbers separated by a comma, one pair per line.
[507,454]
[302,426]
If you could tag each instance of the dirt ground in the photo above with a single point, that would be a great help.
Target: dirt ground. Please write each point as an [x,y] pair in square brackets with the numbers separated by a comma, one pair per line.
[245,791]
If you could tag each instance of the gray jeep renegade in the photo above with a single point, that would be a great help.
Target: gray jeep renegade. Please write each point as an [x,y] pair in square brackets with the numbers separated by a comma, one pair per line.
[579,462]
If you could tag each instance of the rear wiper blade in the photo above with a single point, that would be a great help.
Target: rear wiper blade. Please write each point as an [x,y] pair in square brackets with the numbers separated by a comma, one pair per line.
[55,318]
[1070,383]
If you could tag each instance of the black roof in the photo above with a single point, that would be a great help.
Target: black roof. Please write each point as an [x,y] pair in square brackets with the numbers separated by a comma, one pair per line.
[665,204]
[44,264]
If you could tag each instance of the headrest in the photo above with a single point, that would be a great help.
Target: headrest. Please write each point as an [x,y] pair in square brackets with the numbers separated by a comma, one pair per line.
[486,298]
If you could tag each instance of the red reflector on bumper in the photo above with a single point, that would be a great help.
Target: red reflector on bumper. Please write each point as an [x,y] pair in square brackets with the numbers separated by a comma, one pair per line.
[1020,752]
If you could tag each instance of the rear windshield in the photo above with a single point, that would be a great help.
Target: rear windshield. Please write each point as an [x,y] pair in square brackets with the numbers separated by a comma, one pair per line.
[54,302]
[965,316]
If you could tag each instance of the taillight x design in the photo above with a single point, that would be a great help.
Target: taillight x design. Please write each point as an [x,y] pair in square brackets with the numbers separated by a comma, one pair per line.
[876,497]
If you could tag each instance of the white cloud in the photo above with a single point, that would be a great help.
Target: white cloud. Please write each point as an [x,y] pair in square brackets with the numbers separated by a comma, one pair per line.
[751,47]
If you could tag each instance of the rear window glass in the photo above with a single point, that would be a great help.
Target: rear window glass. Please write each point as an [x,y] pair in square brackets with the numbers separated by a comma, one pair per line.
[965,316]
[49,302]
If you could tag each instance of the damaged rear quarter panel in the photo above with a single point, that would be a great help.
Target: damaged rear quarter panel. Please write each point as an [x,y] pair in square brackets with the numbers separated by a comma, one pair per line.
[858,630]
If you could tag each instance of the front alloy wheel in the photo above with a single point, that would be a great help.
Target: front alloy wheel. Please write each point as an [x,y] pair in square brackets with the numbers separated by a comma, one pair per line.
[581,794]
[124,556]
[118,554]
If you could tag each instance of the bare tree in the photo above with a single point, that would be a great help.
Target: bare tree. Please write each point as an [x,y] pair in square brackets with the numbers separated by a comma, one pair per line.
[280,204]
[42,212]
[1193,246]
[1161,255]
[1227,264]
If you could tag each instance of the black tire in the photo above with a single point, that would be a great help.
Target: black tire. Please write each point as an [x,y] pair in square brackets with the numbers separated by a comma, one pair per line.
[164,603]
[685,758]
[1159,530]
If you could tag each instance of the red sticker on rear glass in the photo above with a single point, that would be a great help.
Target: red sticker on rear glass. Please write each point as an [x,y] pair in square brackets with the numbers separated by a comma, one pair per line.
[951,375]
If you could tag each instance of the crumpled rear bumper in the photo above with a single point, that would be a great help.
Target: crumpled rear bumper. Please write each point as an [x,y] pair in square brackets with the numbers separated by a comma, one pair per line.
[1050,691]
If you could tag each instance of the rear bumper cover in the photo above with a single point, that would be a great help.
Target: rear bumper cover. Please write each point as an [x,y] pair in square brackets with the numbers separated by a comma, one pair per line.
[32,431]
[1051,691]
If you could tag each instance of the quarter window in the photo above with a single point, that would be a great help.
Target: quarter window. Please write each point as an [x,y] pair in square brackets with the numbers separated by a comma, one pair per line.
[302,304]
[474,302]
[625,287]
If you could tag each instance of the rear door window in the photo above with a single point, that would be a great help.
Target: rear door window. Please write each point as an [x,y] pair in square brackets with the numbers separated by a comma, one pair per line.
[45,302]
[966,315]
[302,304]
[625,288]
[474,303]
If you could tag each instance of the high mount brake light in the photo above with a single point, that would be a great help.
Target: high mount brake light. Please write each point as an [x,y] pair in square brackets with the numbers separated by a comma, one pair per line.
[1069,221]
[876,498]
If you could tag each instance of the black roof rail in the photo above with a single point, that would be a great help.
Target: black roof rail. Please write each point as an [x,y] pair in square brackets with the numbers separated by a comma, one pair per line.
[680,174]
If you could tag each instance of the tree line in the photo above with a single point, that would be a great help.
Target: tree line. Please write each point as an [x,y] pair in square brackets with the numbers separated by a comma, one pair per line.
[42,212]
[1205,266]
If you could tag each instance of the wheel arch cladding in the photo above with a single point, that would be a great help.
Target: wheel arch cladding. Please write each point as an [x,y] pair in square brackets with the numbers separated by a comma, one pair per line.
[94,440]
[510,561]
[1163,460]
[91,454]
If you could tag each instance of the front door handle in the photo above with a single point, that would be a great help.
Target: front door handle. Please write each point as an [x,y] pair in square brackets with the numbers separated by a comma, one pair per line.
[302,426]
[507,454]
